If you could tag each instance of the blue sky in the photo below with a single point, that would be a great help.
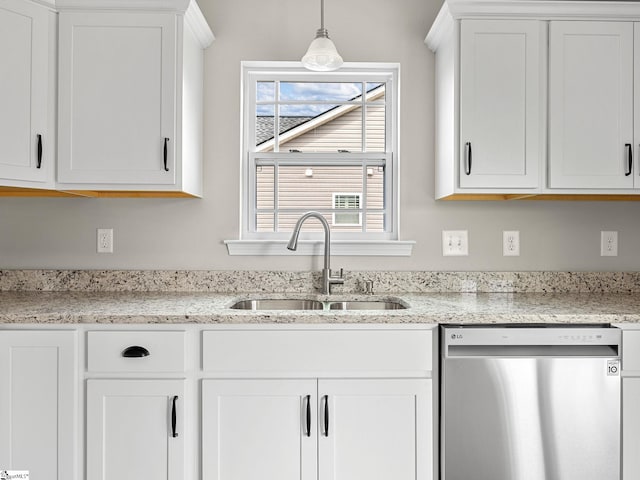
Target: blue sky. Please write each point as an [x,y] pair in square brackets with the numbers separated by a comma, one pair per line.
[305,91]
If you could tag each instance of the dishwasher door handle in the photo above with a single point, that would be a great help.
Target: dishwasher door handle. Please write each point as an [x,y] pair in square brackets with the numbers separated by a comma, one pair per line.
[514,351]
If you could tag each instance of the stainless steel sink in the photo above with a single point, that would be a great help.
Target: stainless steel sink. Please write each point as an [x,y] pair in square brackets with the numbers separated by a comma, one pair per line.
[306,304]
[278,304]
[366,305]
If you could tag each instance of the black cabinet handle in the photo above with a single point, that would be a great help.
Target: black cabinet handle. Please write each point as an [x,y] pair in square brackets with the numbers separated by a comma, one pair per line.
[174,433]
[39,161]
[308,415]
[326,415]
[135,351]
[166,168]
[467,158]
[629,148]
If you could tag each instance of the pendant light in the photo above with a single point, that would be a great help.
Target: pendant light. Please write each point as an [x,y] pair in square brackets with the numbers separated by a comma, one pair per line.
[322,55]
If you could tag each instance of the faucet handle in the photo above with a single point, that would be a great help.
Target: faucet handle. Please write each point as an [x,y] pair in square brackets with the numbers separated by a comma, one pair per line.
[368,287]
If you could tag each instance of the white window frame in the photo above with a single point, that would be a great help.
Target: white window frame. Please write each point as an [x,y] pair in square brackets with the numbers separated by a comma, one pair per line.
[252,242]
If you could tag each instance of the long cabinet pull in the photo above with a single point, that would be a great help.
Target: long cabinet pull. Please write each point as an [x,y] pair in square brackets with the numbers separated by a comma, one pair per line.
[308,415]
[39,161]
[326,415]
[174,432]
[629,148]
[467,158]
[165,154]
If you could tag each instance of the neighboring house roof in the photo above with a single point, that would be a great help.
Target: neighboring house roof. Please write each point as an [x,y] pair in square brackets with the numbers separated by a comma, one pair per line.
[305,124]
[264,126]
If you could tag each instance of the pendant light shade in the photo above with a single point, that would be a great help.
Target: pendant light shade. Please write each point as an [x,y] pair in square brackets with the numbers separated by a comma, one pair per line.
[322,55]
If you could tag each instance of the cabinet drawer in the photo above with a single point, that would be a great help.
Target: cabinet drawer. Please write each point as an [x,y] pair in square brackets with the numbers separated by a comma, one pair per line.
[631,350]
[318,352]
[106,350]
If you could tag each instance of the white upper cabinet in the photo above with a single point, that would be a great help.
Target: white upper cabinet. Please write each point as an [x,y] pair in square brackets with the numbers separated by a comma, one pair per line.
[636,105]
[117,98]
[130,101]
[537,99]
[27,63]
[591,105]
[490,105]
[500,104]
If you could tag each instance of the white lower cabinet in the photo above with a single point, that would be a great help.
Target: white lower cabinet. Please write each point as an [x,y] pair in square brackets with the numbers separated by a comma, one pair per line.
[136,420]
[135,429]
[258,429]
[276,403]
[631,428]
[375,429]
[38,378]
[317,403]
[306,429]
[630,404]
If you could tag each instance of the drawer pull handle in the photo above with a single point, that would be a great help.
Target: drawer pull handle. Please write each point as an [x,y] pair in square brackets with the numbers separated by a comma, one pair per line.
[629,148]
[135,351]
[174,433]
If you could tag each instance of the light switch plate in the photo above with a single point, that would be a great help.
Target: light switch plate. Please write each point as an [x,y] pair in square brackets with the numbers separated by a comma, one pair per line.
[455,243]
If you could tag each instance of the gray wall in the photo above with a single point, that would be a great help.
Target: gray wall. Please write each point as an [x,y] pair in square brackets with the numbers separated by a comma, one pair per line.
[188,234]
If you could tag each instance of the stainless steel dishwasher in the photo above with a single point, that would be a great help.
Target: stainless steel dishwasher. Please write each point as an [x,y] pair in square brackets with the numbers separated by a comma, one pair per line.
[530,403]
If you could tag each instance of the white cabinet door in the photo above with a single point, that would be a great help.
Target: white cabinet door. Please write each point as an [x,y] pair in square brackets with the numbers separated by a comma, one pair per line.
[500,103]
[636,108]
[630,428]
[131,427]
[24,86]
[255,429]
[117,98]
[375,429]
[590,104]
[38,403]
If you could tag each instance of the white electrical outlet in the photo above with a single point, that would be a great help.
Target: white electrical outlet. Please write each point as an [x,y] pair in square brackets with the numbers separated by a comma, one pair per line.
[609,244]
[455,243]
[105,240]
[511,243]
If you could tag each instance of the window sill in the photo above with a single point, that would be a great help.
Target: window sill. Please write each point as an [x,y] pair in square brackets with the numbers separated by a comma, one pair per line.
[387,248]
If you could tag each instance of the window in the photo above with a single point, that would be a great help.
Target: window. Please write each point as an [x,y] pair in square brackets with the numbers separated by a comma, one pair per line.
[347,201]
[309,137]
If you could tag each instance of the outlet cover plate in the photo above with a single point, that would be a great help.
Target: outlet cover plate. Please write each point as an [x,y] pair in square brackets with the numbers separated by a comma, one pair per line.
[608,243]
[105,240]
[511,243]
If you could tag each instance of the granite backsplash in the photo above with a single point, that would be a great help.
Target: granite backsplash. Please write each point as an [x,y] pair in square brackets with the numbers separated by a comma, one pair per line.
[386,282]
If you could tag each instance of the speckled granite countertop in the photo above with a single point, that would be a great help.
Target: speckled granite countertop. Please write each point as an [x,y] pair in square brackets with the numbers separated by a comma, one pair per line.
[210,308]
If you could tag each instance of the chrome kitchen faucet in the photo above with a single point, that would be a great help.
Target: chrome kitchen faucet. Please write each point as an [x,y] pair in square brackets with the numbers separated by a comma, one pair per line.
[327,278]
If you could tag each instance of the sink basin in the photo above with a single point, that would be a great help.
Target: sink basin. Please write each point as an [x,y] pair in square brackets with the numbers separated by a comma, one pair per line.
[366,305]
[278,304]
[306,304]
